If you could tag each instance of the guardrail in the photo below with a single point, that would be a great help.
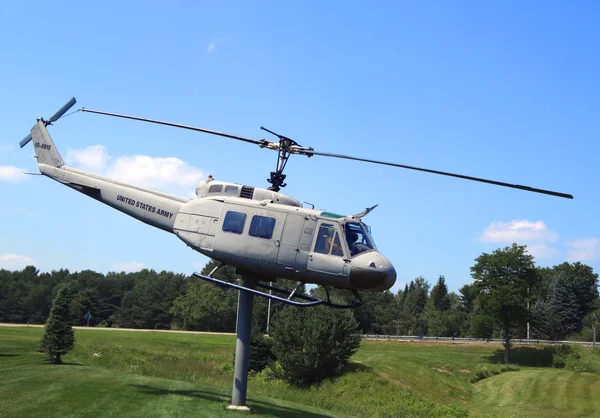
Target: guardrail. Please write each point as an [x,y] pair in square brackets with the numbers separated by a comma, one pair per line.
[416,338]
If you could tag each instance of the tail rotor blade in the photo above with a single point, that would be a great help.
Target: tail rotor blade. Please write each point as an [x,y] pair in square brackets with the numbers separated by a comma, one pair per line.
[63,110]
[25,141]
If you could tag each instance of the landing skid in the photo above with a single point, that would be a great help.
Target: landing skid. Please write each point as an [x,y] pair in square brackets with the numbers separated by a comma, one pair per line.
[311,301]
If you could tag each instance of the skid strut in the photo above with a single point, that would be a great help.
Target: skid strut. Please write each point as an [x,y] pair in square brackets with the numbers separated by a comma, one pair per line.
[309,300]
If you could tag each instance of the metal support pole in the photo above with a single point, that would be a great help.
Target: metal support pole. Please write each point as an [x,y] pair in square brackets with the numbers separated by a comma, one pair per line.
[242,347]
[269,309]
[528,313]
[594,318]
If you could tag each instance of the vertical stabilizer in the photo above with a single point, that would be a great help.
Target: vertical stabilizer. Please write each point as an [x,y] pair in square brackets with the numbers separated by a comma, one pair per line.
[45,150]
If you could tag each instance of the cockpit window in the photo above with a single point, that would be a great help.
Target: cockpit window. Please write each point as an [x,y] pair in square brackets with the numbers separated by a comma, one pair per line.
[358,238]
[328,241]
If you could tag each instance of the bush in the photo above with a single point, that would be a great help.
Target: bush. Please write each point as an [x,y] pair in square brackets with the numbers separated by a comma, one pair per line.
[483,371]
[312,344]
[579,359]
[261,351]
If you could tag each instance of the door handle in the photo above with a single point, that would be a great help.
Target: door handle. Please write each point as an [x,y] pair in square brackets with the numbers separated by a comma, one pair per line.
[277,243]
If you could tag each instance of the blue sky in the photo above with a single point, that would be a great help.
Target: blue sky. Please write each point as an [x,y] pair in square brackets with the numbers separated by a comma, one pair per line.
[502,90]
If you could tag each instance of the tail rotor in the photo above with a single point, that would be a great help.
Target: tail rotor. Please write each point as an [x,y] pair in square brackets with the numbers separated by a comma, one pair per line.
[53,118]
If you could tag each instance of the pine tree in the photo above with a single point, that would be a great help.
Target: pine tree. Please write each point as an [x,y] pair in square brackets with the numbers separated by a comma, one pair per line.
[58,338]
[439,295]
[564,308]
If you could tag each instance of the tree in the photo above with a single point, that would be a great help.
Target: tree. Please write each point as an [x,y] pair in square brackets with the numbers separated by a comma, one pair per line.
[564,309]
[482,326]
[416,299]
[468,294]
[504,278]
[205,307]
[58,339]
[439,295]
[312,344]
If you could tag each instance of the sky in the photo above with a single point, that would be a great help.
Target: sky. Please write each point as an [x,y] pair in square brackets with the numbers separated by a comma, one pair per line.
[505,90]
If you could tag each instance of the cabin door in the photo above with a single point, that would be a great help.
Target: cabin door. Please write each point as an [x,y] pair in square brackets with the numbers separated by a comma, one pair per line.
[289,247]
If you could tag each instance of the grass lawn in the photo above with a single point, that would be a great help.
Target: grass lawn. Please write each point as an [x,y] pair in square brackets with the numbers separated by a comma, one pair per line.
[119,373]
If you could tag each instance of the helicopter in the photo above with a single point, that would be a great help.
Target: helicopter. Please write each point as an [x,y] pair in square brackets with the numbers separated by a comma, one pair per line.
[263,233]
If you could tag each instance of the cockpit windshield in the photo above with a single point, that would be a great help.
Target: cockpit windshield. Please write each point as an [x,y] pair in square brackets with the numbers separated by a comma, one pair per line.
[358,238]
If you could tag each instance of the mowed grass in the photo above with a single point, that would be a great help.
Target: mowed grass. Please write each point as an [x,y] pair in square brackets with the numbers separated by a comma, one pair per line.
[31,388]
[538,393]
[173,374]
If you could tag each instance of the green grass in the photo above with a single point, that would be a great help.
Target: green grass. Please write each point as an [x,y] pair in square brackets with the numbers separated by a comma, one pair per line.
[31,388]
[118,373]
[538,393]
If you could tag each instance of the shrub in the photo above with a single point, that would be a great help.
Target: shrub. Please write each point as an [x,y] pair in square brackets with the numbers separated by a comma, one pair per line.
[483,371]
[576,358]
[261,351]
[314,343]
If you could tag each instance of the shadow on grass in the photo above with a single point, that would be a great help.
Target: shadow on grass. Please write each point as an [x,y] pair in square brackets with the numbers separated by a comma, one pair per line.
[526,356]
[66,363]
[355,367]
[8,355]
[63,363]
[256,406]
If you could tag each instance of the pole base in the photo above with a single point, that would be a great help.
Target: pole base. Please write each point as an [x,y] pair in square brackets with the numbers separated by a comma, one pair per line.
[239,408]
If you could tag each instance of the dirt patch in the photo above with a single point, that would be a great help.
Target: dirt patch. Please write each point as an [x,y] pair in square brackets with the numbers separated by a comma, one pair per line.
[394,381]
[464,371]
[440,370]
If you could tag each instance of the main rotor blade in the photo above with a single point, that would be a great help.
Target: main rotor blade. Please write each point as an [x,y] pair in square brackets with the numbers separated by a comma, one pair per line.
[443,173]
[176,125]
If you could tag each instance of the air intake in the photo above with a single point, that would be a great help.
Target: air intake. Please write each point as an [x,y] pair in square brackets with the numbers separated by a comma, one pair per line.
[247,192]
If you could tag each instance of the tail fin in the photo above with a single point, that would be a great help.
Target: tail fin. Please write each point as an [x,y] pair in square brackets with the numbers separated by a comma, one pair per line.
[44,147]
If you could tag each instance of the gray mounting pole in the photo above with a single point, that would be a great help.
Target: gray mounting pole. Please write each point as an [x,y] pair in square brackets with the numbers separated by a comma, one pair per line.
[242,347]
[594,345]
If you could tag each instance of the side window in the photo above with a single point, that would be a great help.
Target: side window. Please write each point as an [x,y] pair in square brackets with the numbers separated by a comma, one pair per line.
[234,222]
[231,189]
[215,188]
[325,235]
[328,241]
[336,248]
[262,227]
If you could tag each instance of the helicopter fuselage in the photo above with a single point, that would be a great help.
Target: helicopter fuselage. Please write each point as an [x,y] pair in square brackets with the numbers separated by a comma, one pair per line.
[262,233]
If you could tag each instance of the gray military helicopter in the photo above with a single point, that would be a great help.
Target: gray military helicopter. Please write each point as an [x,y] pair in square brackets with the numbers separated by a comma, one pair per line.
[263,233]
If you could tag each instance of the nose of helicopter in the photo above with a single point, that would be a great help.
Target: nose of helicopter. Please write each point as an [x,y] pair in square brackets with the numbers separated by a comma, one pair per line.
[372,271]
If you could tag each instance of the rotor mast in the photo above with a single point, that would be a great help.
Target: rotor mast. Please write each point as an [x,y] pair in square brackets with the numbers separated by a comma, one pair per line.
[284,151]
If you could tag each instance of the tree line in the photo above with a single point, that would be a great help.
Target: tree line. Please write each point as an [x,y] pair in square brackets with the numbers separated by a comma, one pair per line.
[507,293]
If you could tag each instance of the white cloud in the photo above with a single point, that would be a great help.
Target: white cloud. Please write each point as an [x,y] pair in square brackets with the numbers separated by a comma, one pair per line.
[154,172]
[212,45]
[128,267]
[11,174]
[14,261]
[94,157]
[519,231]
[536,235]
[168,174]
[541,250]
[23,211]
[583,249]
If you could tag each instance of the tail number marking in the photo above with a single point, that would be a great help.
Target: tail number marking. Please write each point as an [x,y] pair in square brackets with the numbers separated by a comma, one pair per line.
[43,146]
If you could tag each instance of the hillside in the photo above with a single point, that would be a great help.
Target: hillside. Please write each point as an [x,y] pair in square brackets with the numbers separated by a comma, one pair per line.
[175,374]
